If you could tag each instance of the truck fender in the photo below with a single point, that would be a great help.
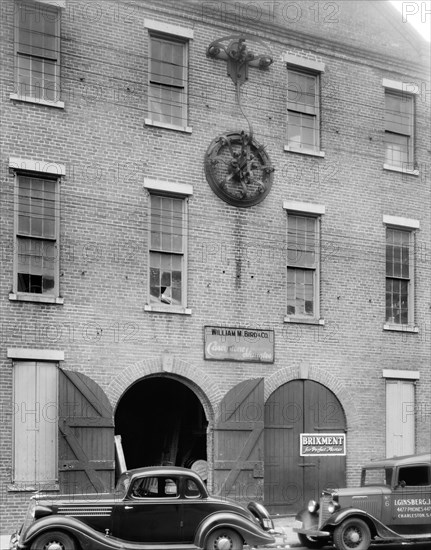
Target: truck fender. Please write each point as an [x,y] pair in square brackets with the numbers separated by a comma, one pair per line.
[251,533]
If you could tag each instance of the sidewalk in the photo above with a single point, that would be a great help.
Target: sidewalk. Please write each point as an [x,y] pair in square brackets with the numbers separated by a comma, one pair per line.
[4,542]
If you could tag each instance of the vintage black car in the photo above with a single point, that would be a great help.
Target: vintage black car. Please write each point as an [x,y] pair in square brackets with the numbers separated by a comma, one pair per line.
[152,508]
[393,504]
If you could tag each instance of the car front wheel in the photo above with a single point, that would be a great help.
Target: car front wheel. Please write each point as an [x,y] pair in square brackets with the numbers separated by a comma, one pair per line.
[53,540]
[352,534]
[311,542]
[224,539]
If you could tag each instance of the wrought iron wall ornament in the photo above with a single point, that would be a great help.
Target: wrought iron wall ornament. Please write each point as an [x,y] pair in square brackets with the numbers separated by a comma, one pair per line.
[237,167]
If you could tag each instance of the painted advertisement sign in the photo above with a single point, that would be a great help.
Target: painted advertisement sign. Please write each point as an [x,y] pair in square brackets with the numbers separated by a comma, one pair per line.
[323,444]
[239,344]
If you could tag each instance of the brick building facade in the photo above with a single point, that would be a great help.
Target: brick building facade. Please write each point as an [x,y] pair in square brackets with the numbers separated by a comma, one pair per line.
[130,290]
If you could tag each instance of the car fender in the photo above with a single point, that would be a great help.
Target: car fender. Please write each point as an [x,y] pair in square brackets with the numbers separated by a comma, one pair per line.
[87,538]
[251,532]
[377,527]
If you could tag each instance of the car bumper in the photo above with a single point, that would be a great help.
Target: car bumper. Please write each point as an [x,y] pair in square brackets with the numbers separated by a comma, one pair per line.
[311,532]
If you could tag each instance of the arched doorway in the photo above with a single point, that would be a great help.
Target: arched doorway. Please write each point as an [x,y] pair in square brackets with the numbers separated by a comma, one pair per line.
[291,480]
[161,421]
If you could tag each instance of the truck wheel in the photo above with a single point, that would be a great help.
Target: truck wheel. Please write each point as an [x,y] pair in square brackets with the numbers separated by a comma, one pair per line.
[53,540]
[352,534]
[311,542]
[223,539]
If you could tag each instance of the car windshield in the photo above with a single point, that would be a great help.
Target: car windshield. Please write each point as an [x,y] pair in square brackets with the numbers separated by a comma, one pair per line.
[122,486]
[376,476]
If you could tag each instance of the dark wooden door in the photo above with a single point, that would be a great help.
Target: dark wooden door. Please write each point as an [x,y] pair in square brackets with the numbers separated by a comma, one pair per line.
[86,436]
[238,442]
[300,406]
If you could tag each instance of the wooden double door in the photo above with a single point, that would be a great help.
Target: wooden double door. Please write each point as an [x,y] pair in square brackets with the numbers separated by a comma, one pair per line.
[291,480]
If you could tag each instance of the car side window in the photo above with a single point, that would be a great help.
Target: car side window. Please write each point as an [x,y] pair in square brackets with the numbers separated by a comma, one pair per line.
[155,487]
[414,476]
[191,489]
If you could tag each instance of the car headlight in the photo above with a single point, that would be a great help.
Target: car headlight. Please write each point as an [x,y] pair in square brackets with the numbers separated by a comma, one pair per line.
[313,506]
[333,506]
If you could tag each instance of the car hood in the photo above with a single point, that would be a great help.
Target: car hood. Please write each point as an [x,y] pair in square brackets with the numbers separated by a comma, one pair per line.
[81,499]
[359,491]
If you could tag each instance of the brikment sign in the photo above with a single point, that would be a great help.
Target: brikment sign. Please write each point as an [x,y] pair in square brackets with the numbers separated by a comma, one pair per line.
[239,344]
[323,444]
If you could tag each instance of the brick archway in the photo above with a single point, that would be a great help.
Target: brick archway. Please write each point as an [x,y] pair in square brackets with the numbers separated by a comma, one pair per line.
[306,372]
[205,387]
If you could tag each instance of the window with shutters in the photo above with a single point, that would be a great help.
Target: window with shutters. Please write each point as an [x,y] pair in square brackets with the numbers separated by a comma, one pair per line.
[35,413]
[36,274]
[37,53]
[399,130]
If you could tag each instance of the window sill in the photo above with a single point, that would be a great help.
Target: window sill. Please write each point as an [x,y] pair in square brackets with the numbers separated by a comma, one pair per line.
[28,99]
[42,486]
[156,308]
[401,328]
[309,152]
[158,124]
[40,298]
[304,320]
[401,170]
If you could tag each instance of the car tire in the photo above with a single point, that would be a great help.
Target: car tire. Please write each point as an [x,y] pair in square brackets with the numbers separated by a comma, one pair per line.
[311,542]
[224,539]
[53,540]
[352,534]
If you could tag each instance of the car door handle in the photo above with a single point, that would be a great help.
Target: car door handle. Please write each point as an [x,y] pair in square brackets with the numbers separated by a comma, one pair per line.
[128,507]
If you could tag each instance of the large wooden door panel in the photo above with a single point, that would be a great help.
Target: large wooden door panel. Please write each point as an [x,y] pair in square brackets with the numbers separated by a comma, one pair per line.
[86,436]
[238,442]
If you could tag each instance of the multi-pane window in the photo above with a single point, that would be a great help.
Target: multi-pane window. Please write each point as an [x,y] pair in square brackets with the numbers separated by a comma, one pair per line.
[37,235]
[35,422]
[399,109]
[399,274]
[303,110]
[167,94]
[167,250]
[37,46]
[302,265]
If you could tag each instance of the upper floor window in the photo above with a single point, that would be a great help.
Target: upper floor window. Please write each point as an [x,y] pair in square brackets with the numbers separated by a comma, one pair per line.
[37,51]
[167,288]
[167,94]
[37,230]
[399,276]
[303,124]
[399,130]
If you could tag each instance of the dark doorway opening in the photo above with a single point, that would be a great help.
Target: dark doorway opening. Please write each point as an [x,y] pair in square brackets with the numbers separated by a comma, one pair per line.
[161,422]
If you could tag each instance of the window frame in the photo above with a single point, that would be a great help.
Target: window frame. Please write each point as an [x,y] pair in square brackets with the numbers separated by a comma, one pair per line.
[174,191]
[31,97]
[315,214]
[38,483]
[16,294]
[408,166]
[178,35]
[411,277]
[314,111]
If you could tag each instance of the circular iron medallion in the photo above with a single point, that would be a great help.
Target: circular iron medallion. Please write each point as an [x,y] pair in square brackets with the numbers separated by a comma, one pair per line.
[238,169]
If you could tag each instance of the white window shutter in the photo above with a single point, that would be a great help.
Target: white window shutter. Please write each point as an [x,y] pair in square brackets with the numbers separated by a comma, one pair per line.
[400,423]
